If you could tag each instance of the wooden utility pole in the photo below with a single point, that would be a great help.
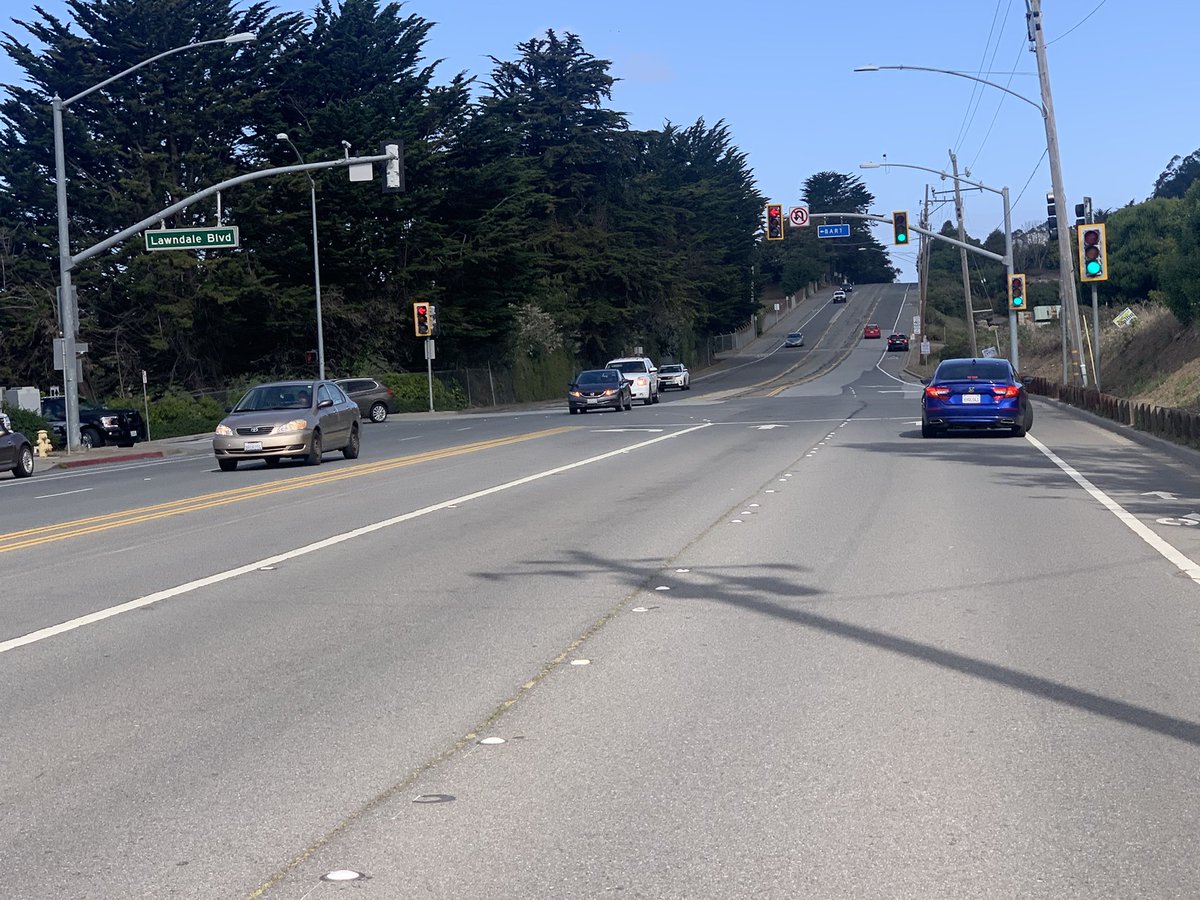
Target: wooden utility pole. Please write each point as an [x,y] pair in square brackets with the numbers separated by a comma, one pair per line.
[966,271]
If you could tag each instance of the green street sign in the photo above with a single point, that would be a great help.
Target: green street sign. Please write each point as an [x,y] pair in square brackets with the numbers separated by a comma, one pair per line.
[192,238]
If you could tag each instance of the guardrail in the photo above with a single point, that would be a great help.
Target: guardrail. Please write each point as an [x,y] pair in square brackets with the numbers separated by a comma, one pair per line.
[1167,422]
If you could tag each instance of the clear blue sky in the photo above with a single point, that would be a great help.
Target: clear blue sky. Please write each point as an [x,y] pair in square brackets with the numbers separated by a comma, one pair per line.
[780,73]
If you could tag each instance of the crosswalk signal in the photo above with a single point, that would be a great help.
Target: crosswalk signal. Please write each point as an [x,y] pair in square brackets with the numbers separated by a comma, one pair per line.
[421,321]
[1016,293]
[774,221]
[900,227]
[1051,218]
[1093,253]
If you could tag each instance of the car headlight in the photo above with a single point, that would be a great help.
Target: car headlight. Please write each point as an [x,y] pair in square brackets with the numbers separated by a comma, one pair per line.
[224,430]
[575,394]
[294,425]
[109,421]
[608,392]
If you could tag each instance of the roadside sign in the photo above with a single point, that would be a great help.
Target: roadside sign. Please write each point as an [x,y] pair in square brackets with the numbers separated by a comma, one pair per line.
[988,352]
[1125,318]
[192,238]
[924,348]
[916,324]
[798,216]
[833,231]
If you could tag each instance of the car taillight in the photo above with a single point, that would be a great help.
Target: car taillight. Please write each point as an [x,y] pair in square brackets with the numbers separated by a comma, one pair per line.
[391,393]
[1006,390]
[937,392]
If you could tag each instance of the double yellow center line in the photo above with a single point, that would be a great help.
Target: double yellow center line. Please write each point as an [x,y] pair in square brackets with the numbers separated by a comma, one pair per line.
[18,540]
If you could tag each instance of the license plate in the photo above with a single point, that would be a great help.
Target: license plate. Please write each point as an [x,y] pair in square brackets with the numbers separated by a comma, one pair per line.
[592,400]
[133,434]
[252,446]
[972,398]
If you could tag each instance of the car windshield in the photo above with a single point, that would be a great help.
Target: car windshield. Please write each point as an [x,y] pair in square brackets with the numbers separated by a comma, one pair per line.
[632,365]
[599,376]
[667,370]
[276,396]
[972,370]
[794,336]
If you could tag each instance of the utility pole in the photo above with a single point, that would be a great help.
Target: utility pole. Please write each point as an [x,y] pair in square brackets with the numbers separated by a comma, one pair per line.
[923,267]
[966,272]
[1066,265]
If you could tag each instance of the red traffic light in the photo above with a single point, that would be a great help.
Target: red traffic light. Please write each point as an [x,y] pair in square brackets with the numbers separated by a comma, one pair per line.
[774,221]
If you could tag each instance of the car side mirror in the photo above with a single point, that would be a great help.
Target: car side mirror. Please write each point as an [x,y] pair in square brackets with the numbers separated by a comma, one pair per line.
[926,380]
[570,385]
[229,409]
[325,404]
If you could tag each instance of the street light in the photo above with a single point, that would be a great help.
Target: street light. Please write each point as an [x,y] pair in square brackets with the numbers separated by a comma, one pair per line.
[1014,353]
[66,293]
[1066,272]
[312,185]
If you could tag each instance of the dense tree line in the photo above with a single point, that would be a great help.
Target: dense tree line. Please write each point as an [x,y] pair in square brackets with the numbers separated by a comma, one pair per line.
[534,217]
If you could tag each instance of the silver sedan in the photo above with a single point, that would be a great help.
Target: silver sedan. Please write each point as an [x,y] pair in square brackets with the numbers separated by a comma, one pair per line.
[288,420]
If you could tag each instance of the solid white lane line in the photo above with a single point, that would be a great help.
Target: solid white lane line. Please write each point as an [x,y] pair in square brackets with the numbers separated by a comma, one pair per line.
[1168,552]
[102,614]
[62,494]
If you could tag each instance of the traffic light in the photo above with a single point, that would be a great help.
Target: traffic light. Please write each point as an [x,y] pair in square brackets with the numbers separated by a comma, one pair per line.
[1016,293]
[1093,253]
[433,320]
[421,322]
[774,221]
[1083,212]
[1051,218]
[310,356]
[900,227]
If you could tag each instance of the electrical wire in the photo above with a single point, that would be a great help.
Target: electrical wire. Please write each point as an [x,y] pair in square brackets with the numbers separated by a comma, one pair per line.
[969,114]
[996,114]
[1077,24]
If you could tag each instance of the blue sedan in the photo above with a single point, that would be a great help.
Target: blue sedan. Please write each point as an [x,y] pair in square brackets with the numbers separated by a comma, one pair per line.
[971,394]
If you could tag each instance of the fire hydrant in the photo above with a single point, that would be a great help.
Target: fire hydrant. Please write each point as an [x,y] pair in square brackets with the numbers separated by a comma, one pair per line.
[43,443]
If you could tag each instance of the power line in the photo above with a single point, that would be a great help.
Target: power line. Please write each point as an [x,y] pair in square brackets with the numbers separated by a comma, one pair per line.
[1077,24]
[969,115]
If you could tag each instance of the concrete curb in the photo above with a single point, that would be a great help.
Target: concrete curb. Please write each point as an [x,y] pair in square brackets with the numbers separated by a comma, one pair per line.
[100,460]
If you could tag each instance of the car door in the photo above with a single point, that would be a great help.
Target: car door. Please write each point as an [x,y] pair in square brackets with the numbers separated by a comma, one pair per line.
[350,411]
[331,418]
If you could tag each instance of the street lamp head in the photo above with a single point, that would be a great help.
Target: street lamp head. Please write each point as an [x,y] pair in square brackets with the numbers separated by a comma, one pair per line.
[866,68]
[282,136]
[241,38]
[870,165]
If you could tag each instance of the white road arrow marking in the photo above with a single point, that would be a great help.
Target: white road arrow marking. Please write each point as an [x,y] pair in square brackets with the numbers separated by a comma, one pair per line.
[623,430]
[1162,495]
[767,427]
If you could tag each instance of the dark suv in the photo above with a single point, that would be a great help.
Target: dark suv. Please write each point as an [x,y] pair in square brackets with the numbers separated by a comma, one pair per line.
[97,425]
[375,401]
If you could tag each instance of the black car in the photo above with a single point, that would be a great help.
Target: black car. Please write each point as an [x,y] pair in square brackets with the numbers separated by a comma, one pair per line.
[897,341]
[16,453]
[98,425]
[375,400]
[599,389]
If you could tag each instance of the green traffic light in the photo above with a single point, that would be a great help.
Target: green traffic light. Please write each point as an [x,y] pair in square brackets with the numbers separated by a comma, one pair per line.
[1093,267]
[901,238]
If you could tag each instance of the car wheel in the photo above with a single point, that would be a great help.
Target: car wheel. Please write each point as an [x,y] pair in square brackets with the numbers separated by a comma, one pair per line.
[574,411]
[90,437]
[379,412]
[350,451]
[24,462]
[315,450]
[1019,431]
[647,401]
[272,462]
[629,403]
[928,431]
[655,400]
[227,465]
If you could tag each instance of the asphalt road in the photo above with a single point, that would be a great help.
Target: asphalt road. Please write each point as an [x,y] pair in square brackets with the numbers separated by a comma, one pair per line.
[758,640]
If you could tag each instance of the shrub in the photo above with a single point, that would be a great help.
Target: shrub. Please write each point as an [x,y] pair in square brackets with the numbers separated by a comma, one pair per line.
[177,414]
[412,392]
[29,423]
